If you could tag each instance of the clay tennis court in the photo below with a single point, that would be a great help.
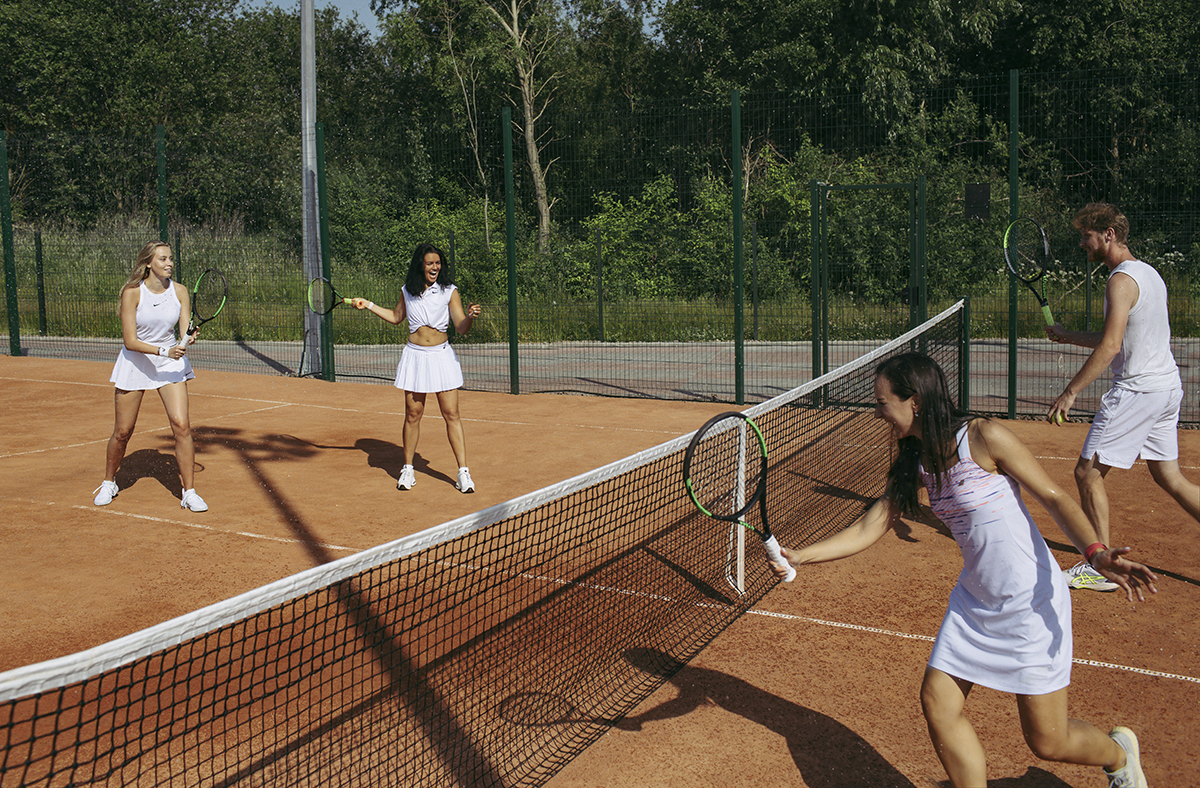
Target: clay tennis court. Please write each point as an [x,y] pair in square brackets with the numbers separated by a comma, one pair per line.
[816,687]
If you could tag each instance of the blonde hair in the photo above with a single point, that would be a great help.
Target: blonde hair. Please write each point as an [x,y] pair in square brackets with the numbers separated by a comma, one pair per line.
[141,265]
[1100,216]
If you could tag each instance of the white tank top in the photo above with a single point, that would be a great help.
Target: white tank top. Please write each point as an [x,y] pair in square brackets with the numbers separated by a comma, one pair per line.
[1145,361]
[157,315]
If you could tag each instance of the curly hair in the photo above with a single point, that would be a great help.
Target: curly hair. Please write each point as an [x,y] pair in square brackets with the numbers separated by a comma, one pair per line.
[1100,216]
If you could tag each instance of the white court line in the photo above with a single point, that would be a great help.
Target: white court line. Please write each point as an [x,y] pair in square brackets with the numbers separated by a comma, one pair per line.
[374,413]
[908,636]
[139,432]
[186,524]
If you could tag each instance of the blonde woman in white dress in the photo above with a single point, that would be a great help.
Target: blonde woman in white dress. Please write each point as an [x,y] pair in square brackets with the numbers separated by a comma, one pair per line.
[1007,625]
[154,311]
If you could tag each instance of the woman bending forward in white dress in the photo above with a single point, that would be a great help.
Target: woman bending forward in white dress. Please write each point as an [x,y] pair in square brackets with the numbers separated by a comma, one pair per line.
[1008,622]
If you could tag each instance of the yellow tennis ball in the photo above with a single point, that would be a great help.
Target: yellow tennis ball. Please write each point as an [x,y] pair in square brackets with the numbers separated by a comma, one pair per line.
[1058,417]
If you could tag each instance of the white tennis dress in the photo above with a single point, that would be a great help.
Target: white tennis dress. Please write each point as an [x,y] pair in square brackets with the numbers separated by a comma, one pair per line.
[157,316]
[1008,621]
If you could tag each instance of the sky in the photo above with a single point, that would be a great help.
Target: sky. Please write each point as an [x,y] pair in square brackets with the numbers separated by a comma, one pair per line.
[346,9]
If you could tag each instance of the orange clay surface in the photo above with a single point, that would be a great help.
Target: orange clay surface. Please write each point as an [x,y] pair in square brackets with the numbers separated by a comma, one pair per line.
[817,687]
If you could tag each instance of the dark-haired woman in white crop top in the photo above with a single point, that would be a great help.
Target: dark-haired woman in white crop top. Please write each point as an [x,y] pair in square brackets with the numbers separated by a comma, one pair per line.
[429,301]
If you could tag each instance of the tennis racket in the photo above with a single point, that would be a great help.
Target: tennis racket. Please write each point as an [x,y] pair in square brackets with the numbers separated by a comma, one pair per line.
[209,294]
[725,473]
[322,298]
[1027,253]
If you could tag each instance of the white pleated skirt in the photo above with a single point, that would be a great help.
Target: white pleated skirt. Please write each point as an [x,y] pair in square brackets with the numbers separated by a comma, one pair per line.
[428,370]
[142,372]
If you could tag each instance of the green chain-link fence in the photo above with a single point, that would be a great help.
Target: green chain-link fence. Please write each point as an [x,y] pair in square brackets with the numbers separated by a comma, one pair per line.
[624,279]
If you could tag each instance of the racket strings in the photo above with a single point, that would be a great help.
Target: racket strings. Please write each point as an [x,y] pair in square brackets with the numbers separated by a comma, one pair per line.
[321,296]
[209,295]
[725,472]
[1025,250]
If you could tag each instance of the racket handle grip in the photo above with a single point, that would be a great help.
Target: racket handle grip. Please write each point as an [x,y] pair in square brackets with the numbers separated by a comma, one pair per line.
[771,545]
[1048,315]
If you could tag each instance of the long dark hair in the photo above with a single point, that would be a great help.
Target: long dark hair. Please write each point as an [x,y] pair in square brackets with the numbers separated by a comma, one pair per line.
[939,417]
[414,282]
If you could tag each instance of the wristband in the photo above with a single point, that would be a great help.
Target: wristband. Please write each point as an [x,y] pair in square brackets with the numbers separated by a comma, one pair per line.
[1092,549]
[164,350]
[370,305]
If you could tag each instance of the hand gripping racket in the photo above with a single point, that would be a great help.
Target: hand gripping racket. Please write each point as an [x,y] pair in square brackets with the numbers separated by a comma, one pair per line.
[725,473]
[322,298]
[209,294]
[1027,253]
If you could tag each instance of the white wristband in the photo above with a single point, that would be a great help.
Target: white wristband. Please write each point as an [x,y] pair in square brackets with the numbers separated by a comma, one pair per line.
[370,305]
[164,350]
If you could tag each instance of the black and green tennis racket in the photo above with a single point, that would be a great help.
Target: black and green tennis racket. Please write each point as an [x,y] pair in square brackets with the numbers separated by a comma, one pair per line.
[322,297]
[725,474]
[209,294]
[1027,253]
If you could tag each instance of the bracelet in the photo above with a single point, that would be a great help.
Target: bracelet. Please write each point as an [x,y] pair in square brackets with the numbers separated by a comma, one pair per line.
[1092,549]
[164,350]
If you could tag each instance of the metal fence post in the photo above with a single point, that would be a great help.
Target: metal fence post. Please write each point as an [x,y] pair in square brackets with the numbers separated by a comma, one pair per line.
[739,340]
[327,369]
[1014,198]
[510,242]
[160,148]
[10,257]
[40,273]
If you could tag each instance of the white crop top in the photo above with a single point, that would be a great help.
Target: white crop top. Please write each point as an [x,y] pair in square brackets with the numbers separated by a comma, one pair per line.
[431,308]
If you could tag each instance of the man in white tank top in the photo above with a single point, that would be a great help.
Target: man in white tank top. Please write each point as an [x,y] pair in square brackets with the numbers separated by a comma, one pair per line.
[1140,413]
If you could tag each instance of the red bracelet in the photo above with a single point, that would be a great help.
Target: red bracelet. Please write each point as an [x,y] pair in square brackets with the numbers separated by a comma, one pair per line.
[1092,549]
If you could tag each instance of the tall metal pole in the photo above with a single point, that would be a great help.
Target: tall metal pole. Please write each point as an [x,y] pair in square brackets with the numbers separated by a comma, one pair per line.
[310,226]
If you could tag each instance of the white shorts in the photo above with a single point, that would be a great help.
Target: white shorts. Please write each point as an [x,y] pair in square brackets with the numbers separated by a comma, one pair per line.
[1130,423]
[428,369]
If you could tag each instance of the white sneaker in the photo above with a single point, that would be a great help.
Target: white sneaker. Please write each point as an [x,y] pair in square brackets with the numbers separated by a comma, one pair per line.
[464,483]
[192,502]
[1130,775]
[105,493]
[1082,575]
[408,478]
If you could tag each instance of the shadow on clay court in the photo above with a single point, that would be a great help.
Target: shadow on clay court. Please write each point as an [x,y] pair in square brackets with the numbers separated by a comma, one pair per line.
[151,464]
[459,752]
[1032,778]
[382,455]
[827,754]
[1070,549]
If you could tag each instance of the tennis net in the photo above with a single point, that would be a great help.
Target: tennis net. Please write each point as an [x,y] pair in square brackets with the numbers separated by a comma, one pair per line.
[488,651]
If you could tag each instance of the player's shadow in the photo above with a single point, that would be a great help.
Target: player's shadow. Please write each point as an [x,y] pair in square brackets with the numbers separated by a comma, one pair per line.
[389,458]
[151,464]
[1032,778]
[827,754]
